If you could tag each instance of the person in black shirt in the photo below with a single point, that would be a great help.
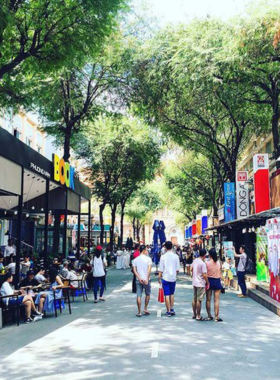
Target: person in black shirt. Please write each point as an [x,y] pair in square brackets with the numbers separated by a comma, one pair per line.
[29,281]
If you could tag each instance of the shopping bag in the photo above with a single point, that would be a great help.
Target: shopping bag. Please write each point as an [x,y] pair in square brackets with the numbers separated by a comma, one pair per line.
[160,295]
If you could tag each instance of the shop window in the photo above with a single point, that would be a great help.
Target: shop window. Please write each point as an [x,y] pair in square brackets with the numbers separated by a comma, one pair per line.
[28,141]
[17,134]
[268,147]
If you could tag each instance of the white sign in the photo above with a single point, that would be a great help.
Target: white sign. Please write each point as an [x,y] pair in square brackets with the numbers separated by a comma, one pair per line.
[261,161]
[242,195]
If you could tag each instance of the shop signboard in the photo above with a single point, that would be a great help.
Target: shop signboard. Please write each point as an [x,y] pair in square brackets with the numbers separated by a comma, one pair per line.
[262,255]
[204,221]
[229,254]
[242,195]
[229,193]
[63,172]
[261,182]
[273,237]
[275,189]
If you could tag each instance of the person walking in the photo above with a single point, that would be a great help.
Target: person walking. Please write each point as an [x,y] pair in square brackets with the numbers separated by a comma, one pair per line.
[241,270]
[214,274]
[99,275]
[142,267]
[200,283]
[169,268]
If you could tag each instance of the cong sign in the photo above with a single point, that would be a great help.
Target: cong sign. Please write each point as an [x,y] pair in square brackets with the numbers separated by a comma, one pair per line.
[63,172]
[242,195]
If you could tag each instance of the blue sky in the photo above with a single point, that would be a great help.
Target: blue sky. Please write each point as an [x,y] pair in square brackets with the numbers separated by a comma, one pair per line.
[184,10]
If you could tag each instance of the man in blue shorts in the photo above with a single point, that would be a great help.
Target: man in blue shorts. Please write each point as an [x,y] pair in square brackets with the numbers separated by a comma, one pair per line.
[169,267]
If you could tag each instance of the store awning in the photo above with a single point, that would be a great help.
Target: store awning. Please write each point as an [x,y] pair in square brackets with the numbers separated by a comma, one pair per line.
[255,220]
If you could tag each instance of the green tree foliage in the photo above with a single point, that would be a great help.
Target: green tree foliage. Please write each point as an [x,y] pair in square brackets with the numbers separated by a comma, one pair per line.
[256,48]
[42,35]
[120,154]
[179,86]
[143,203]
[192,185]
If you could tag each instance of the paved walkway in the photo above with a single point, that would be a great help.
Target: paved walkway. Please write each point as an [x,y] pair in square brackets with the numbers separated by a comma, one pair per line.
[107,341]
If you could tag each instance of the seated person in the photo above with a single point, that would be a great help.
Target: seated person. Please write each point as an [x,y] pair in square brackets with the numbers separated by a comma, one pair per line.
[40,276]
[2,268]
[29,282]
[45,299]
[24,299]
[72,276]
[64,271]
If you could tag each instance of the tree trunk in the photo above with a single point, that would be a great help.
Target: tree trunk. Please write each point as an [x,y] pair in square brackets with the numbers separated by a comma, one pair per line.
[112,228]
[101,209]
[138,227]
[134,229]
[56,233]
[122,221]
[67,143]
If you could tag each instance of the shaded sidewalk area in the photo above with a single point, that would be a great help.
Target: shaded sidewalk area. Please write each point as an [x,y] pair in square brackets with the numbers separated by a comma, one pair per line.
[107,340]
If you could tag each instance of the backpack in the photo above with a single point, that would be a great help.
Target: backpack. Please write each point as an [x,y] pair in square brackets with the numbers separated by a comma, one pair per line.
[249,267]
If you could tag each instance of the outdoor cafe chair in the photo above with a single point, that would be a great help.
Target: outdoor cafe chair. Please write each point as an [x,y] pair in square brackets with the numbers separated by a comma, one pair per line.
[59,302]
[81,289]
[7,308]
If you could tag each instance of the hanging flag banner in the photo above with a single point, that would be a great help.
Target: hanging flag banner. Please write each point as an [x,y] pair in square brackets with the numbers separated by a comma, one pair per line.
[198,225]
[186,232]
[204,221]
[261,182]
[229,192]
[193,227]
[190,229]
[242,195]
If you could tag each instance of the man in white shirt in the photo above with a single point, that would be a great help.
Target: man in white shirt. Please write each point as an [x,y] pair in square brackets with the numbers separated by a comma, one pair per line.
[10,249]
[142,267]
[40,276]
[169,267]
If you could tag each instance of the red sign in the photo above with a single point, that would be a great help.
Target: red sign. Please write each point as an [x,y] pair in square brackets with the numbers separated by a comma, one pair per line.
[261,182]
[194,228]
[242,176]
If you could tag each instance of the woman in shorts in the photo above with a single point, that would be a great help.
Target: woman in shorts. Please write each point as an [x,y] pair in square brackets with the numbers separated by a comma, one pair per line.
[214,273]
[23,299]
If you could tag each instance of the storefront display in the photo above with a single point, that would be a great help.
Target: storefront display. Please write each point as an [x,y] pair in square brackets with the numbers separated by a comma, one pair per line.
[273,236]
[262,255]
[229,255]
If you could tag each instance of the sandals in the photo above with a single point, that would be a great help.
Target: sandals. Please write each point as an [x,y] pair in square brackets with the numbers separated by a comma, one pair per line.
[201,319]
[218,319]
[209,319]
[138,315]
[146,312]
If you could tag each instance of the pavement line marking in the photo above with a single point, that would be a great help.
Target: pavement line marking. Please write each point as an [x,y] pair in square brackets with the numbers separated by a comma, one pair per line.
[159,313]
[155,347]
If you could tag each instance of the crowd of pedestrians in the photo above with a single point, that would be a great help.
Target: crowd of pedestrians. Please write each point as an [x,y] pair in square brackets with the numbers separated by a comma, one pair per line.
[206,270]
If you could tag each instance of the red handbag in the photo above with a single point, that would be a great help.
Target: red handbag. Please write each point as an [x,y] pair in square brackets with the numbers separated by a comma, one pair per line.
[160,295]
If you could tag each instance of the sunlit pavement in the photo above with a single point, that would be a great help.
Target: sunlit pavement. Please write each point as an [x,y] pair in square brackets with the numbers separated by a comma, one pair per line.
[107,341]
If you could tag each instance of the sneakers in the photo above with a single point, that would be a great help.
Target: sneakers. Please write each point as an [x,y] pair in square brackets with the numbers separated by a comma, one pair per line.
[37,318]
[168,314]
[36,313]
[29,320]
[172,312]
